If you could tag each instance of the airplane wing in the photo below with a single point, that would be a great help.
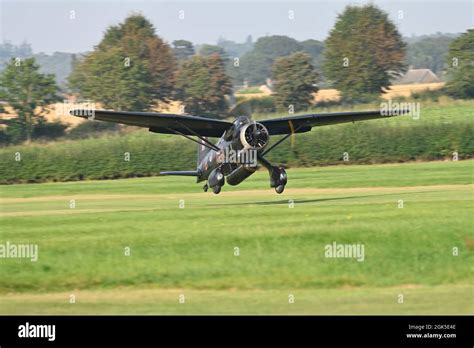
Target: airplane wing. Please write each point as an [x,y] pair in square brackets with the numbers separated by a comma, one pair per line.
[160,123]
[304,123]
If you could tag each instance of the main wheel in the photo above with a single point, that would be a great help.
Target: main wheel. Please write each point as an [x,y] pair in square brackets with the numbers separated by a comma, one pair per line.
[279,189]
[216,189]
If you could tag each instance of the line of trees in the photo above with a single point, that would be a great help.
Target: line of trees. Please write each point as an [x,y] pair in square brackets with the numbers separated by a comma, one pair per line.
[132,68]
[360,58]
[427,51]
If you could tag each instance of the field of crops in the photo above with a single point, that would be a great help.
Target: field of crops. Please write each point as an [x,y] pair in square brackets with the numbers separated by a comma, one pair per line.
[182,244]
[334,94]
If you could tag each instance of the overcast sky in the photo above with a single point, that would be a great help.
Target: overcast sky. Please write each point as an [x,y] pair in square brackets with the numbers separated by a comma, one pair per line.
[48,25]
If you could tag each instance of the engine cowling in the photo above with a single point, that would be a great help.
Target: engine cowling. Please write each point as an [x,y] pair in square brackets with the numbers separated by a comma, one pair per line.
[254,136]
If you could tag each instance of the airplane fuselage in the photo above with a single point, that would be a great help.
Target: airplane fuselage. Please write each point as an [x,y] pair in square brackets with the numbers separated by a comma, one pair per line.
[240,149]
[234,152]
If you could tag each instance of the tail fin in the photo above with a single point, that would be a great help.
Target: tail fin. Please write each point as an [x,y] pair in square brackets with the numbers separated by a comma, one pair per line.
[202,152]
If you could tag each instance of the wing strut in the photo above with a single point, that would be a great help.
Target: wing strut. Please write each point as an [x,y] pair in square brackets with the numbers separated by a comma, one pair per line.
[293,131]
[205,143]
[199,136]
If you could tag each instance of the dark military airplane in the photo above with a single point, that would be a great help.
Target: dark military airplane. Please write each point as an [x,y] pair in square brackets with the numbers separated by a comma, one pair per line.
[241,146]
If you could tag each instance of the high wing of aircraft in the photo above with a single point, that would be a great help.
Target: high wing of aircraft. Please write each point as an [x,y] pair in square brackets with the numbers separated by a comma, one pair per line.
[243,136]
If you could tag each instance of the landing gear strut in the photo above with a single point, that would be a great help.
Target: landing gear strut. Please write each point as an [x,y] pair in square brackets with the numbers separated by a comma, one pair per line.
[205,188]
[216,180]
[278,177]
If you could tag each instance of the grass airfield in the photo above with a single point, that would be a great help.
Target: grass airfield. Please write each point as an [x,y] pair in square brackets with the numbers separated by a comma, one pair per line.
[182,242]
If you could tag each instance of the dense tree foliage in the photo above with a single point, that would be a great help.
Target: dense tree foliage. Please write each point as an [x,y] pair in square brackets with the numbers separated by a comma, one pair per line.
[235,49]
[461,66]
[429,52]
[256,65]
[364,51]
[315,49]
[202,86]
[109,80]
[29,93]
[183,49]
[208,50]
[130,52]
[294,78]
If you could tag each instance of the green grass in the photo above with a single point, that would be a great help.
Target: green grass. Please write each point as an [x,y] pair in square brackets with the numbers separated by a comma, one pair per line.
[384,175]
[191,250]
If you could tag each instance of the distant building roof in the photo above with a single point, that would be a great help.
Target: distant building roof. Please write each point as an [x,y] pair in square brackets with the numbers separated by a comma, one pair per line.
[417,76]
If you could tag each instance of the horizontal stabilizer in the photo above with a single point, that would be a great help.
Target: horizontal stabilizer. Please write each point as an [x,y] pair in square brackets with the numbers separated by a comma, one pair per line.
[183,173]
